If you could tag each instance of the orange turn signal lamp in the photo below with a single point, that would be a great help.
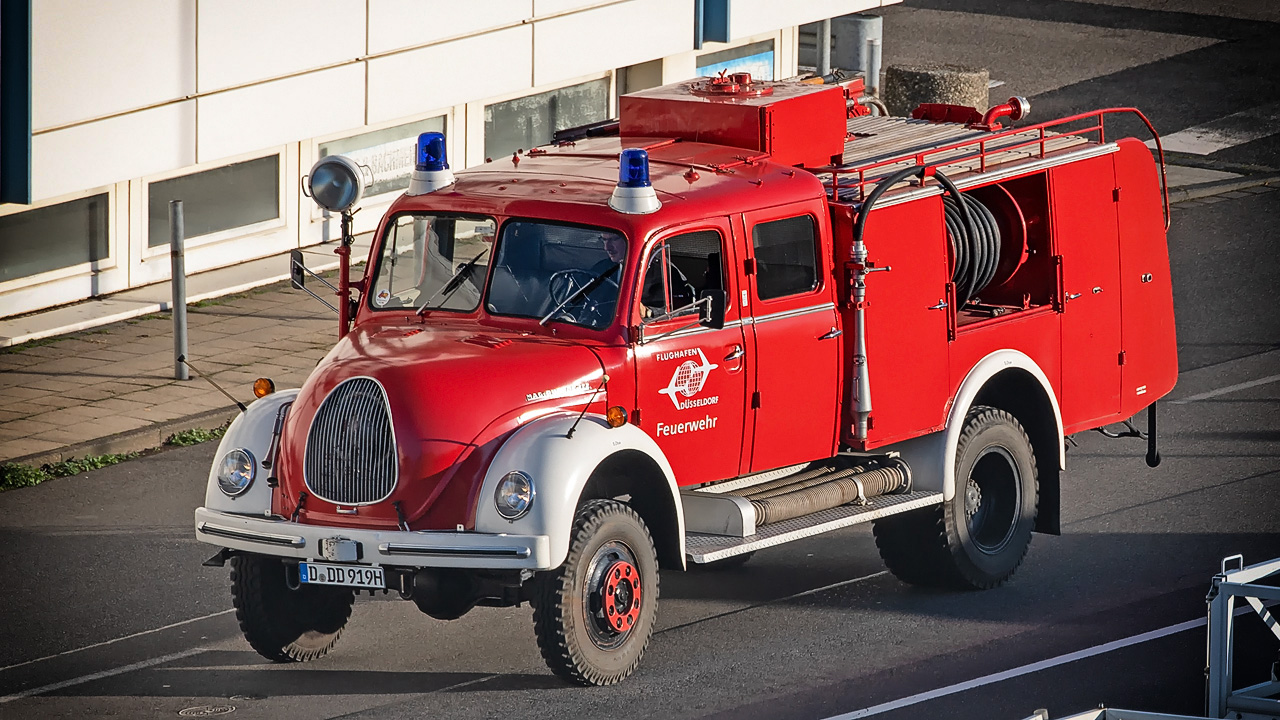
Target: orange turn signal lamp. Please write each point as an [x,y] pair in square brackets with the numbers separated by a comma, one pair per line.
[616,416]
[263,387]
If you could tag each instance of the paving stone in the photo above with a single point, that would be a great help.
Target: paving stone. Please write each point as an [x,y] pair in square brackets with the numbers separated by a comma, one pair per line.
[90,393]
[122,406]
[43,404]
[10,449]
[10,414]
[22,393]
[26,427]
[54,384]
[71,415]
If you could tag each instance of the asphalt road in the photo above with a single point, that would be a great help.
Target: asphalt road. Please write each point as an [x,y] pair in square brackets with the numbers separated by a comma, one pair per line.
[106,610]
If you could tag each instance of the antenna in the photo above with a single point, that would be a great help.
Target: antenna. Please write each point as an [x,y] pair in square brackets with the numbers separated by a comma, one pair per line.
[183,359]
[590,400]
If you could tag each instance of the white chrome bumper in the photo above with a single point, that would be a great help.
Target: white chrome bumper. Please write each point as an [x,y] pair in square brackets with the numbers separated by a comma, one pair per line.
[422,548]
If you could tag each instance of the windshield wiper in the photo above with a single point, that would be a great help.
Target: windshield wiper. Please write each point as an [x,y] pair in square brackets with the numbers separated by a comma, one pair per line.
[454,282]
[595,283]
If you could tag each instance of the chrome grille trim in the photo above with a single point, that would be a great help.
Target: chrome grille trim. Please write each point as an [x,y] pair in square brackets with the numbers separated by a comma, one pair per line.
[351,457]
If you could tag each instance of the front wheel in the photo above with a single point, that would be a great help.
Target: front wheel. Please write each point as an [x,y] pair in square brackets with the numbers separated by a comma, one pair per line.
[594,614]
[281,624]
[978,538]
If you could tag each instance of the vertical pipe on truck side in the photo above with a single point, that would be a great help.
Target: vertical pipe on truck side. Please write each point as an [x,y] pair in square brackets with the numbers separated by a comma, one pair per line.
[872,78]
[178,282]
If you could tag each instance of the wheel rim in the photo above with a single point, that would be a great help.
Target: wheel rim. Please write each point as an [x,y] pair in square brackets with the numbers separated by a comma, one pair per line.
[614,595]
[993,495]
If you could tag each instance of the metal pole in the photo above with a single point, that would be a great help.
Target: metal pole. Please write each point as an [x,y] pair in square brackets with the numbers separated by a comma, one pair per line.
[824,47]
[873,67]
[179,284]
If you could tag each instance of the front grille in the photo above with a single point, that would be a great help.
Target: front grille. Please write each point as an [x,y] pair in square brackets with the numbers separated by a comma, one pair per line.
[351,454]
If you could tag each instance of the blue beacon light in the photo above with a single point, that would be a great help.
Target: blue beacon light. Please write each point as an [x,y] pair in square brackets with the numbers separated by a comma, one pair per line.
[634,194]
[431,167]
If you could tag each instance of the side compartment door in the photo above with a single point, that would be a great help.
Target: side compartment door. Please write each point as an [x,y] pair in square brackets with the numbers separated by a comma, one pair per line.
[1086,238]
[796,335]
[691,380]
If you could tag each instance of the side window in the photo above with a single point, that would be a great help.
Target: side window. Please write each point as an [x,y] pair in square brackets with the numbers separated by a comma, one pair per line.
[785,257]
[693,264]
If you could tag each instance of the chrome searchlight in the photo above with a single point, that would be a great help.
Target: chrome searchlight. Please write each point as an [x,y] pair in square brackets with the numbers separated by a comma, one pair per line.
[336,183]
[431,169]
[634,195]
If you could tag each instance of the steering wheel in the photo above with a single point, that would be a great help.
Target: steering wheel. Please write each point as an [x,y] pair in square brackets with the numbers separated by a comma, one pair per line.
[565,283]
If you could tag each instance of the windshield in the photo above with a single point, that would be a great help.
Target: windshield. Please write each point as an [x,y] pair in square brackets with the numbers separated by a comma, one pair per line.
[557,273]
[432,262]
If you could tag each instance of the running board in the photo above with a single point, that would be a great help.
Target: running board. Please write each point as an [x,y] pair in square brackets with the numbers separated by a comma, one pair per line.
[703,548]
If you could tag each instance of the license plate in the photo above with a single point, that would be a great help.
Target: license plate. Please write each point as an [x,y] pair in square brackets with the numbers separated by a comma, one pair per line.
[348,575]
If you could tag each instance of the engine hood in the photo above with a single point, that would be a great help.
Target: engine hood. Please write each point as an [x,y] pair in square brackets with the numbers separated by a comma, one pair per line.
[449,391]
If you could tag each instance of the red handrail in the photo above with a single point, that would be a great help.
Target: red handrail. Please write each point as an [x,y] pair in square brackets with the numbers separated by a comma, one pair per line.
[981,154]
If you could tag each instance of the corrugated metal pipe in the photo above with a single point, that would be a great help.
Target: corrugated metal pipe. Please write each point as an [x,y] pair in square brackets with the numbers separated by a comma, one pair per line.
[840,488]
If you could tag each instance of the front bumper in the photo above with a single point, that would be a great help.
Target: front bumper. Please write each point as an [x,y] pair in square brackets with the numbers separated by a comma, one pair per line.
[421,548]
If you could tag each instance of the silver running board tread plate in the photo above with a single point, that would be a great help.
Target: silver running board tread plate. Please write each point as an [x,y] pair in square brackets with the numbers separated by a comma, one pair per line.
[700,548]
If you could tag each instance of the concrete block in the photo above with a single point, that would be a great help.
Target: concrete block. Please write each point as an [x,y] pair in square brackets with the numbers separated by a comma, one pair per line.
[907,86]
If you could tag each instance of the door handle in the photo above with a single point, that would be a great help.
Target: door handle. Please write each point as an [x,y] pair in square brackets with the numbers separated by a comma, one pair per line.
[734,354]
[1072,296]
[942,304]
[832,334]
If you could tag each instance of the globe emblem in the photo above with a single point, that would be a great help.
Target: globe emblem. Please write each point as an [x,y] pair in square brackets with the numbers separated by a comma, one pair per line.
[688,379]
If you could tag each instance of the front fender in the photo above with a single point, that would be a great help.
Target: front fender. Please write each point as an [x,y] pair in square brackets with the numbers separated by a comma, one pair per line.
[251,430]
[560,467]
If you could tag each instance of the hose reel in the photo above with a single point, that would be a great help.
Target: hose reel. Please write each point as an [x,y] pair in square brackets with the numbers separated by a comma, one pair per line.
[975,254]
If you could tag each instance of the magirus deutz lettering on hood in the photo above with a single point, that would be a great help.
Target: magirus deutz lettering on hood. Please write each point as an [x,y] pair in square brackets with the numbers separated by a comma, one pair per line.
[656,342]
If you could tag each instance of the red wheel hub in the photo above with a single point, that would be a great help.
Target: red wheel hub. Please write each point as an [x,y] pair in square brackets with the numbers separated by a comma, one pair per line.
[622,596]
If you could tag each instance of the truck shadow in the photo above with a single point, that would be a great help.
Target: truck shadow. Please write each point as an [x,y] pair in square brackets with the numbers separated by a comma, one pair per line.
[243,675]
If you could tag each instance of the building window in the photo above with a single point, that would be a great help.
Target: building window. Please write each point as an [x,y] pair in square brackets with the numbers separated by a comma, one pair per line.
[531,121]
[224,198]
[756,58]
[54,237]
[785,258]
[388,153]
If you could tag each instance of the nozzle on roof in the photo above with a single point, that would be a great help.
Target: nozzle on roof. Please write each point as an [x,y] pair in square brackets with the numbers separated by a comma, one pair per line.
[431,171]
[634,195]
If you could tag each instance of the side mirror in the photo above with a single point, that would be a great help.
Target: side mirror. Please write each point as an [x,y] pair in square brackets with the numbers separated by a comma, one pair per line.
[297,270]
[713,305]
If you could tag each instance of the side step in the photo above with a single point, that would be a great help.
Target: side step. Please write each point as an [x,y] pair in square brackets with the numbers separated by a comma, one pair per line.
[704,548]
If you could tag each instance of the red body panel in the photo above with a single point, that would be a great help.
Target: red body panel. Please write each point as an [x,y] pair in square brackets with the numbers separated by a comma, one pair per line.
[1150,348]
[1086,239]
[906,332]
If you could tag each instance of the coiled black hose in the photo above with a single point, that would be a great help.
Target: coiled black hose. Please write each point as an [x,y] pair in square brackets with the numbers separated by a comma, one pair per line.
[977,253]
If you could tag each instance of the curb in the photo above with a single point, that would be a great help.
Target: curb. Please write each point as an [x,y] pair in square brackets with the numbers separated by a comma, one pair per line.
[145,438]
[1218,187]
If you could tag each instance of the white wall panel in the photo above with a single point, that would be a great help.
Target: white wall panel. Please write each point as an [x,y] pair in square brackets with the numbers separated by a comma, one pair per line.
[594,40]
[119,148]
[543,8]
[246,40]
[405,23]
[259,116]
[748,17]
[91,59]
[451,73]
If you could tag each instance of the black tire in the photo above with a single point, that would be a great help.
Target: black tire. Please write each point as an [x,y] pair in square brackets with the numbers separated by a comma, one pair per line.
[285,625]
[978,539]
[579,640]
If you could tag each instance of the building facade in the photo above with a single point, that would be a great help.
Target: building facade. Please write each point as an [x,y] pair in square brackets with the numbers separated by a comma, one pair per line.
[225,105]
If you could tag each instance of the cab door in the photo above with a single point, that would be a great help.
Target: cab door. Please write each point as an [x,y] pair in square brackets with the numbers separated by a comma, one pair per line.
[795,387]
[690,380]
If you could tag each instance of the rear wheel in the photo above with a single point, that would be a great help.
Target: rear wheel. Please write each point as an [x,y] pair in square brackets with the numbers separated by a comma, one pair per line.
[977,539]
[281,624]
[594,614]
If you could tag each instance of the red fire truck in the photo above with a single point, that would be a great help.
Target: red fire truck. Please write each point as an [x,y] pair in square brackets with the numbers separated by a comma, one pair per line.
[657,342]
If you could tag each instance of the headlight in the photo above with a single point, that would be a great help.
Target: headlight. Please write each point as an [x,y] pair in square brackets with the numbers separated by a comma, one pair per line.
[514,495]
[235,472]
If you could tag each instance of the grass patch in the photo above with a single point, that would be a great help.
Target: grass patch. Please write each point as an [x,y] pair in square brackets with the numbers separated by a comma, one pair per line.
[30,344]
[17,475]
[195,436]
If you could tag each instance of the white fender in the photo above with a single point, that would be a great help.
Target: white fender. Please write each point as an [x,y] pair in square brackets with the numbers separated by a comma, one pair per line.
[251,430]
[560,467]
[984,370]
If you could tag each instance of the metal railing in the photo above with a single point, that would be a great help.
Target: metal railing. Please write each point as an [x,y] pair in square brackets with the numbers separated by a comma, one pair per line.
[984,147]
